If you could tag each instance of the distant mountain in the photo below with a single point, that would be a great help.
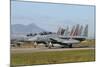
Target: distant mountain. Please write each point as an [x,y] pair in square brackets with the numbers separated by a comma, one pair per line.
[24,29]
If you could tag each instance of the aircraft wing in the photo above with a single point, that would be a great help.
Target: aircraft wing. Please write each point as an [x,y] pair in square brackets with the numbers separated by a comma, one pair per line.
[70,41]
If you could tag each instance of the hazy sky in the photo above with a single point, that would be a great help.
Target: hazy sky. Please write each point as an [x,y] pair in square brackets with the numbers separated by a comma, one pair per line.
[51,16]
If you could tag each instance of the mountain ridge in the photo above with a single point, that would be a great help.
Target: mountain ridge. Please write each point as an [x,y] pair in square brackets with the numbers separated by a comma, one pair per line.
[25,29]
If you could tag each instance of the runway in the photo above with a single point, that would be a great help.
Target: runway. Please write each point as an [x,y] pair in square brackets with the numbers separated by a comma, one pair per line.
[30,50]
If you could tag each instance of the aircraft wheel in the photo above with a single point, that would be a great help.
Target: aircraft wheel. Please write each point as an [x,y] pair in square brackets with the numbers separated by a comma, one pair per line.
[70,46]
[35,44]
[50,45]
[46,45]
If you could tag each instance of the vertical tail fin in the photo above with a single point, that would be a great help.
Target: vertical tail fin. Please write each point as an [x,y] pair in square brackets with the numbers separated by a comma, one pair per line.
[72,31]
[62,31]
[76,30]
[80,30]
[59,31]
[66,31]
[85,32]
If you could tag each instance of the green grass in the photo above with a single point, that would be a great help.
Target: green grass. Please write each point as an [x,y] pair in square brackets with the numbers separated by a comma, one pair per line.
[87,43]
[36,58]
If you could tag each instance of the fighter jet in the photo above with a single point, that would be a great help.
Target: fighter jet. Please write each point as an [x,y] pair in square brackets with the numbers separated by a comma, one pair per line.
[64,37]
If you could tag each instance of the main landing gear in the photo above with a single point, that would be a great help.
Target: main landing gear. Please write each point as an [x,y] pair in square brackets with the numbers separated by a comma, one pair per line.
[70,45]
[50,45]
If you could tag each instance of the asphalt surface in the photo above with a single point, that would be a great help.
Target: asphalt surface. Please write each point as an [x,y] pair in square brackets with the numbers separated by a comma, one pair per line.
[30,50]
